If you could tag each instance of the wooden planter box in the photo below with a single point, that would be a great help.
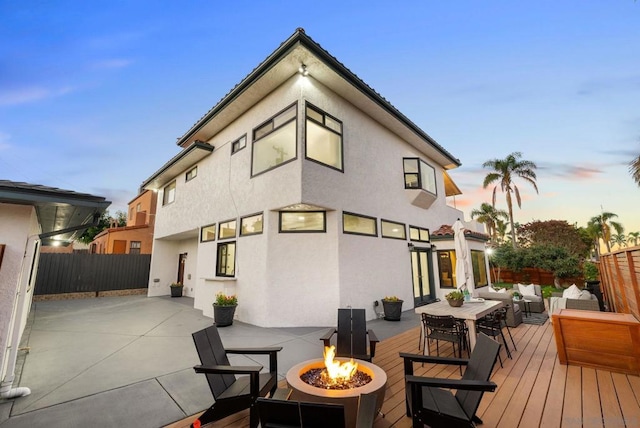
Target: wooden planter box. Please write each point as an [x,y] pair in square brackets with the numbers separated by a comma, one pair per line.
[601,340]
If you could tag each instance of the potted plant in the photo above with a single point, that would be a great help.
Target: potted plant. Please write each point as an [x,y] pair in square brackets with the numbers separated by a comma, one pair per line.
[392,306]
[455,298]
[224,308]
[516,295]
[176,289]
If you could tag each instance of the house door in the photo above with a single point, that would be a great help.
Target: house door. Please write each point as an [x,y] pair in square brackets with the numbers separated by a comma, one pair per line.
[422,274]
[182,260]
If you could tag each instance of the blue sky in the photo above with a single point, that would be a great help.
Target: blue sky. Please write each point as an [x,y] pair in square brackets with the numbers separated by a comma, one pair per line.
[93,95]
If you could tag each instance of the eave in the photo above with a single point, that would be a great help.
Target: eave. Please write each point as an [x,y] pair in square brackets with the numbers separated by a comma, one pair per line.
[179,163]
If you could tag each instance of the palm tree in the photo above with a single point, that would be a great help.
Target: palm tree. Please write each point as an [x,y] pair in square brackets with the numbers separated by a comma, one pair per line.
[633,237]
[503,172]
[501,230]
[619,239]
[489,216]
[634,169]
[600,227]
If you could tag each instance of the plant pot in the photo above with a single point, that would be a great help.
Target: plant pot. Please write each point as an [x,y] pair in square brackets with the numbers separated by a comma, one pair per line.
[392,309]
[176,291]
[455,303]
[223,315]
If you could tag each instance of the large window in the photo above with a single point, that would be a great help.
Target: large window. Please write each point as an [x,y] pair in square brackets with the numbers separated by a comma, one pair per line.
[419,175]
[169,194]
[479,268]
[359,224]
[418,234]
[208,233]
[274,142]
[391,229]
[447,268]
[239,144]
[226,259]
[227,229]
[324,138]
[251,225]
[303,221]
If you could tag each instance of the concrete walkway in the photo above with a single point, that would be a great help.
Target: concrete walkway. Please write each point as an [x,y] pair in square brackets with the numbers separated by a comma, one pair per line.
[128,361]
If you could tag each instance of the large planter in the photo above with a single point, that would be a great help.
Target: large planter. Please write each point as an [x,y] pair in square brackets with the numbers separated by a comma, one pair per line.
[392,309]
[223,315]
[176,291]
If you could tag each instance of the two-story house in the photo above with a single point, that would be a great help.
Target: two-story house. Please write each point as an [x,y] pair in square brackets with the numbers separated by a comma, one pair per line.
[303,190]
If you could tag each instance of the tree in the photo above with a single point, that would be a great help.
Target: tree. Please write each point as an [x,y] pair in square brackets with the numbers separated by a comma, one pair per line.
[633,237]
[503,172]
[106,221]
[600,227]
[618,239]
[634,169]
[501,229]
[489,216]
[556,233]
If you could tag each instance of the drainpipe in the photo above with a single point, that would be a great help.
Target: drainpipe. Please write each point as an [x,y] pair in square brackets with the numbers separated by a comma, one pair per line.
[6,390]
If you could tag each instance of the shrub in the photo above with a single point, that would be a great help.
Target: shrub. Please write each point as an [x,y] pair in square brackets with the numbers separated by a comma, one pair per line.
[226,300]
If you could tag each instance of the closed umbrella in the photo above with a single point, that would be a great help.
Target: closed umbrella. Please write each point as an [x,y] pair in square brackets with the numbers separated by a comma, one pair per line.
[464,280]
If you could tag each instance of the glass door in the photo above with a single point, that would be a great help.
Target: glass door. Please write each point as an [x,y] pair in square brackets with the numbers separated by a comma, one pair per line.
[422,274]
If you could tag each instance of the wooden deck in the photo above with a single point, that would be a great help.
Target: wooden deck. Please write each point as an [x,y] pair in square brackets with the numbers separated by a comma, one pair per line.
[534,389]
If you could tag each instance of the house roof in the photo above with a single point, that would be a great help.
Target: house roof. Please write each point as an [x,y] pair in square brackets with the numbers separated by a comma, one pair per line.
[284,63]
[63,214]
[183,160]
[445,232]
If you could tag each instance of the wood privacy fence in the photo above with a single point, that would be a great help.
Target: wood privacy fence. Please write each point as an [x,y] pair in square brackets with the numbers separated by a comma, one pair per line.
[620,278]
[91,273]
[530,275]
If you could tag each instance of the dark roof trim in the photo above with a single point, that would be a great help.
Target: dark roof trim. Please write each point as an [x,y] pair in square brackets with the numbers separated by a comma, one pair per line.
[299,36]
[31,194]
[188,156]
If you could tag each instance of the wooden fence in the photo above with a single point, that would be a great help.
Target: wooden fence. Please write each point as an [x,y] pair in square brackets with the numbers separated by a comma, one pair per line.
[530,275]
[91,273]
[620,278]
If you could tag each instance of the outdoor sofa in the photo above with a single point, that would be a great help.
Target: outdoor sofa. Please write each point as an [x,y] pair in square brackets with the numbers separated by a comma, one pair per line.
[514,313]
[586,302]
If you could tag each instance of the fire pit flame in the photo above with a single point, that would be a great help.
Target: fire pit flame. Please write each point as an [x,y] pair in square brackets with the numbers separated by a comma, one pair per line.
[337,372]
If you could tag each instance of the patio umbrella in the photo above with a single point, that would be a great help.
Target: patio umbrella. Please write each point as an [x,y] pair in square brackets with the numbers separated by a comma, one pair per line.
[463,262]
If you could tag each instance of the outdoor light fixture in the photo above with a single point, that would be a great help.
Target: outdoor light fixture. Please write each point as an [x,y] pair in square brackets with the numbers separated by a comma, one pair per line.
[303,70]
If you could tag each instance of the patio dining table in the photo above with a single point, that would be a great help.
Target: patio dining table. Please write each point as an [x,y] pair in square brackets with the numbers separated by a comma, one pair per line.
[470,312]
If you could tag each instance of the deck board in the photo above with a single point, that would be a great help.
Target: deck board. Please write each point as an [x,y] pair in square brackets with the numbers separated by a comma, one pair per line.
[534,389]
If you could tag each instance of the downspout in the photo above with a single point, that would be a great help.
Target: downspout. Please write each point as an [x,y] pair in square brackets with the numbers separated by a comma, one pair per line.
[6,390]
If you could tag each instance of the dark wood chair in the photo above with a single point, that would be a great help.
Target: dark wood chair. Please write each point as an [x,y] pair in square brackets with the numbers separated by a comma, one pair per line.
[232,394]
[429,401]
[352,335]
[492,325]
[297,414]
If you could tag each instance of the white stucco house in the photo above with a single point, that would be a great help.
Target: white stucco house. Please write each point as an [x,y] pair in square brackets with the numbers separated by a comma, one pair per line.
[32,216]
[301,191]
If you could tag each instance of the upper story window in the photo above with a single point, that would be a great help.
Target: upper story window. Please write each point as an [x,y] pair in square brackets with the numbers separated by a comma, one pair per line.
[391,229]
[324,138]
[208,233]
[303,221]
[239,144]
[138,208]
[359,224]
[227,229]
[134,247]
[169,194]
[274,142]
[419,234]
[251,225]
[419,175]
[191,174]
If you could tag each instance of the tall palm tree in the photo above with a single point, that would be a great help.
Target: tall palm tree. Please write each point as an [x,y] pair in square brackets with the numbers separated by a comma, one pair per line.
[618,239]
[634,169]
[600,226]
[501,230]
[633,237]
[503,172]
[489,216]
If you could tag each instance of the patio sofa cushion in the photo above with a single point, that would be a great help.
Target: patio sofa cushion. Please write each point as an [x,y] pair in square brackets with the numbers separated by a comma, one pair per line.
[572,292]
[527,290]
[514,314]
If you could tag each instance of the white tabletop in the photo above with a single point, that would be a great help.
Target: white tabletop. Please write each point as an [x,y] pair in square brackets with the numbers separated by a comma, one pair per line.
[468,311]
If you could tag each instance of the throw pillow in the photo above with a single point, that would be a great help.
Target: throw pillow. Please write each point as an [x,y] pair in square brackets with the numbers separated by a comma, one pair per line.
[492,290]
[527,290]
[502,290]
[585,295]
[572,292]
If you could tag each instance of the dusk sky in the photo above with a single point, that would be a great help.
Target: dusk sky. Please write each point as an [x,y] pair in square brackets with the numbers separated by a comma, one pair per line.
[93,95]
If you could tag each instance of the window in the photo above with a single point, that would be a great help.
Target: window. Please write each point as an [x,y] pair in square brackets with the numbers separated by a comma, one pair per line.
[251,225]
[227,230]
[239,144]
[359,224]
[394,230]
[324,138]
[134,247]
[446,266]
[208,233]
[419,175]
[303,221]
[226,259]
[169,193]
[191,174]
[419,234]
[131,214]
[274,142]
[479,268]
[138,208]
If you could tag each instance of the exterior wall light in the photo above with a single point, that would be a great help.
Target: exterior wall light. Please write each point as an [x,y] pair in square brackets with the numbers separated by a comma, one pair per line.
[303,70]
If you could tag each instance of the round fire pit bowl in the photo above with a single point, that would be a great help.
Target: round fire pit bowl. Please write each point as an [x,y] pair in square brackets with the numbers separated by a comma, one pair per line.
[302,391]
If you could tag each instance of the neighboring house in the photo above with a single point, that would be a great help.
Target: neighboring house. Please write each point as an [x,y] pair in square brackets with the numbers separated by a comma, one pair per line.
[303,190]
[134,238]
[32,216]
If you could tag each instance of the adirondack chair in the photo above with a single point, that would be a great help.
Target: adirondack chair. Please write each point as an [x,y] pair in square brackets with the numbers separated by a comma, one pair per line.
[296,414]
[429,402]
[352,335]
[232,395]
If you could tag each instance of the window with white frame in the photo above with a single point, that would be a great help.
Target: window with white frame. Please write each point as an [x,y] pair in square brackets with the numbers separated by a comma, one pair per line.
[303,221]
[239,144]
[391,229]
[324,138]
[251,225]
[226,259]
[359,224]
[274,142]
[419,175]
[169,194]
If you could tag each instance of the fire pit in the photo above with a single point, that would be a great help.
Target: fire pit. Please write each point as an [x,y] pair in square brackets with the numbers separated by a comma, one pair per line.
[345,392]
